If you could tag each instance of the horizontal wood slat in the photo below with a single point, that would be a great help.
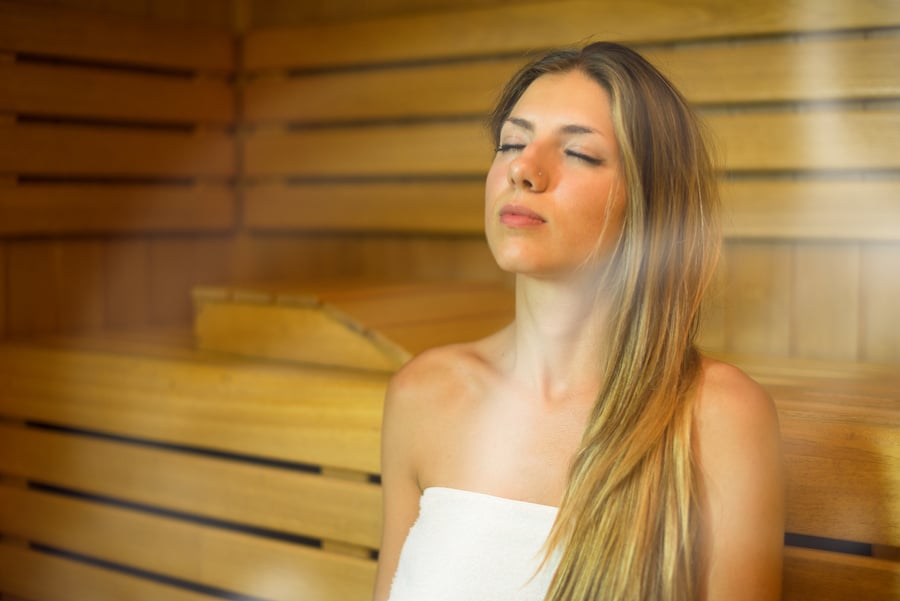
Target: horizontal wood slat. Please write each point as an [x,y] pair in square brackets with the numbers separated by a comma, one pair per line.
[427,149]
[55,208]
[774,72]
[440,207]
[41,577]
[842,140]
[824,576]
[265,497]
[78,150]
[801,209]
[524,27]
[825,139]
[196,553]
[62,32]
[344,435]
[113,95]
[843,464]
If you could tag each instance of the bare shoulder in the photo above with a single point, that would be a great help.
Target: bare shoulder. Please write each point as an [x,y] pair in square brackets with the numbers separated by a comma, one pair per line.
[730,402]
[738,449]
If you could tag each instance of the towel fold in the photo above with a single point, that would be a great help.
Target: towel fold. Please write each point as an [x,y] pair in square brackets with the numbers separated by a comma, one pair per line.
[468,546]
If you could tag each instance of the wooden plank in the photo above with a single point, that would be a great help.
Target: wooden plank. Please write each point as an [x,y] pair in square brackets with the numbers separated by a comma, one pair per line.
[825,576]
[115,208]
[172,275]
[880,289]
[4,290]
[214,557]
[825,301]
[74,34]
[80,305]
[782,71]
[814,140]
[25,573]
[758,297]
[425,149]
[395,93]
[266,497]
[79,150]
[439,207]
[812,209]
[843,465]
[57,91]
[524,27]
[33,276]
[127,293]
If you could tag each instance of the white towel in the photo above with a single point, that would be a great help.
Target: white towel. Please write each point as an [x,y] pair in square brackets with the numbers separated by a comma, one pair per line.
[468,546]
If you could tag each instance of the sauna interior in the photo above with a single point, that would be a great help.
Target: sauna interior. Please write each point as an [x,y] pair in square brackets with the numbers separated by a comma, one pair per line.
[224,223]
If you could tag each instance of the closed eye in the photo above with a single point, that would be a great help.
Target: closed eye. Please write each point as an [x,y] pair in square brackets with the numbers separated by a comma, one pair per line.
[509,147]
[584,157]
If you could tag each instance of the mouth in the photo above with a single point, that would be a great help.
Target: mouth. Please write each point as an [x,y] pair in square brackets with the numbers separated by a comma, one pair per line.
[519,216]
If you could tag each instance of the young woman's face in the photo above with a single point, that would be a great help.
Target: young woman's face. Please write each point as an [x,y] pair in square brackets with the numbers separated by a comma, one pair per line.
[554,200]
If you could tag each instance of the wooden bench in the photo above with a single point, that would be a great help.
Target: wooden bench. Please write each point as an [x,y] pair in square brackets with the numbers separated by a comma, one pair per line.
[134,467]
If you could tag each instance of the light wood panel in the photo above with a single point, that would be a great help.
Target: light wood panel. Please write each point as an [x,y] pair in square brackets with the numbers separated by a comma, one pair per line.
[474,32]
[63,32]
[880,289]
[270,498]
[115,208]
[824,314]
[815,140]
[239,562]
[827,209]
[824,576]
[70,150]
[24,573]
[709,74]
[34,89]
[757,300]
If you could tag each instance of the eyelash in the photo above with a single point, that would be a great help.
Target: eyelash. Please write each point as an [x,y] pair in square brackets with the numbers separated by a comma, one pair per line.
[587,159]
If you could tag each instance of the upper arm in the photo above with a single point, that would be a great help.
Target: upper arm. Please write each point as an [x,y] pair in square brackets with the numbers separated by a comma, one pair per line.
[742,488]
[399,481]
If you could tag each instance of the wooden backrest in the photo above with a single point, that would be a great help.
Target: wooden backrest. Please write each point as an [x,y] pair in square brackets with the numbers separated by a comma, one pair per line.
[174,474]
[172,478]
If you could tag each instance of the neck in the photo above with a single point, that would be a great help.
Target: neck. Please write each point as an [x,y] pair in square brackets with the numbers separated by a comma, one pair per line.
[558,333]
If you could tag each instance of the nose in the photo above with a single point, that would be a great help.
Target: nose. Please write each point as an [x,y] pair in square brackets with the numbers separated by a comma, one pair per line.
[526,173]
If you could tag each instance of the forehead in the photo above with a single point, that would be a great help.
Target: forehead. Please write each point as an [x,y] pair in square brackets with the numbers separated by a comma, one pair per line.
[572,96]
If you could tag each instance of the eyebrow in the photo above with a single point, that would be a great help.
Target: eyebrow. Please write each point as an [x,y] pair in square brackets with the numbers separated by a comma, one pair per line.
[566,129]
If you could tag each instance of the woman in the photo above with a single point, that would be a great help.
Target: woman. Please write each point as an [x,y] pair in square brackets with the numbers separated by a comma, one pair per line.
[665,466]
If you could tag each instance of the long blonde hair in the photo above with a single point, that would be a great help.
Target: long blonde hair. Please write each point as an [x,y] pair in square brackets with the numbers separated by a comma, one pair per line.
[627,527]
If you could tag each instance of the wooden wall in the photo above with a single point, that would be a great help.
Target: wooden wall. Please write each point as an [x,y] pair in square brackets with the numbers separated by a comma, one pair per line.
[361,153]
[362,143]
[117,166]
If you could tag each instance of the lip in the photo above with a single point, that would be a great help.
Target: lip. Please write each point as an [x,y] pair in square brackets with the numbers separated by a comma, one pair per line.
[520,216]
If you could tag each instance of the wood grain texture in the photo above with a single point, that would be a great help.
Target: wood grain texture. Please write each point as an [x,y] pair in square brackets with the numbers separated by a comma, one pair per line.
[172,273]
[81,299]
[880,289]
[234,561]
[266,497]
[825,301]
[4,291]
[62,32]
[70,150]
[24,573]
[127,278]
[722,73]
[811,574]
[524,27]
[439,207]
[115,208]
[758,297]
[33,274]
[830,209]
[112,95]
